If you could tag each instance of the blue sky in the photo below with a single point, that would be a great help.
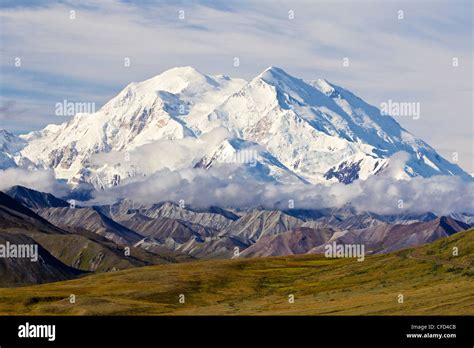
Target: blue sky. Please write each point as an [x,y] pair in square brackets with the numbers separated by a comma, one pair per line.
[81,59]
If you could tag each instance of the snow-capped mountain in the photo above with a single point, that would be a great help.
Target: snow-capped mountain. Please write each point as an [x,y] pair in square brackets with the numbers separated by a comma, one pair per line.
[290,130]
[255,161]
[140,114]
[323,132]
[10,145]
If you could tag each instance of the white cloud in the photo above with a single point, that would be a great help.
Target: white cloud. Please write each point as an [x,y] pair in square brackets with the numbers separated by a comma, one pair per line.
[40,180]
[203,188]
[383,194]
[164,153]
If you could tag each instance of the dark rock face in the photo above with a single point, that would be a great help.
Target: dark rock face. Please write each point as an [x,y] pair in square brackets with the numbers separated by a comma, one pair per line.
[345,172]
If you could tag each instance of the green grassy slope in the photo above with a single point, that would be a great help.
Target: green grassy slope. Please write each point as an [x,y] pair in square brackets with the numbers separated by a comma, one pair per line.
[431,280]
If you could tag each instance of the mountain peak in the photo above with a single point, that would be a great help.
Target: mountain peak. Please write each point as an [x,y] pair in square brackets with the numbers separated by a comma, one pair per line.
[35,199]
[183,70]
[176,80]
[273,72]
[272,68]
[286,83]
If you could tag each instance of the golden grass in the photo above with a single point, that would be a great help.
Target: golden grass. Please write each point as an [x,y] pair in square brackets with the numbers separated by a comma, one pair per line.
[431,280]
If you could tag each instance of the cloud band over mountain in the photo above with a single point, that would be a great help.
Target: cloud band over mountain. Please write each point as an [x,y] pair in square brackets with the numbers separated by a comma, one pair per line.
[378,194]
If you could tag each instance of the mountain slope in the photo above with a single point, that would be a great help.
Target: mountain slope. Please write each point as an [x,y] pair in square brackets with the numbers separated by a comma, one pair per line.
[73,246]
[165,229]
[14,215]
[387,238]
[89,253]
[323,132]
[381,238]
[24,271]
[92,220]
[141,113]
[10,146]
[431,279]
[220,247]
[258,223]
[297,241]
[213,217]
[181,236]
[34,199]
